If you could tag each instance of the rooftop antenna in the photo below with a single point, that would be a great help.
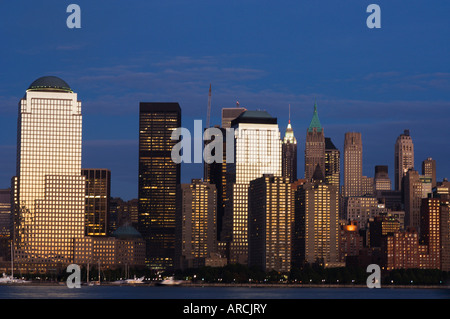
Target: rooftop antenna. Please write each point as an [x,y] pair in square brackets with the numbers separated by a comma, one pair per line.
[289,113]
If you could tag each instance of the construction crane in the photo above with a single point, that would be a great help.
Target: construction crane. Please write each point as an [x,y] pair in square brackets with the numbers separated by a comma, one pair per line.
[208,114]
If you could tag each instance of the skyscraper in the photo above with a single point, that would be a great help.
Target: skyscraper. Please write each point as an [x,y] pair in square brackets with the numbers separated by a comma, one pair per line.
[257,152]
[230,113]
[332,163]
[289,154]
[196,222]
[430,233]
[429,170]
[98,191]
[270,216]
[353,164]
[381,180]
[316,225]
[49,200]
[404,157]
[158,180]
[412,194]
[314,146]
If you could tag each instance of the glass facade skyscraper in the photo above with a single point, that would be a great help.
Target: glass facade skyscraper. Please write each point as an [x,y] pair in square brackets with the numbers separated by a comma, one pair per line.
[49,200]
[158,180]
[257,152]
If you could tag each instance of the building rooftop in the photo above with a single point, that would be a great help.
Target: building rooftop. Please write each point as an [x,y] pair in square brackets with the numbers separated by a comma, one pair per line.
[50,84]
[126,232]
[315,122]
[254,117]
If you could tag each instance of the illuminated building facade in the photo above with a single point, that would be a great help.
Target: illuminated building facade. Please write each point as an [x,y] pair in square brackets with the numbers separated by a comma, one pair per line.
[429,170]
[314,146]
[270,223]
[382,182]
[351,242]
[430,233]
[317,223]
[5,223]
[404,157]
[98,190]
[289,154]
[353,164]
[257,152]
[196,233]
[49,190]
[401,250]
[158,180]
[362,209]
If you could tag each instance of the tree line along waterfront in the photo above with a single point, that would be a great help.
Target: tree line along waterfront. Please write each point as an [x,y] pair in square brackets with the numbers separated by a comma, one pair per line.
[242,274]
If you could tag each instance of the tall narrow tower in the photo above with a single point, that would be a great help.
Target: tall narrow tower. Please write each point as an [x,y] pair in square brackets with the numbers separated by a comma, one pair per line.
[289,153]
[158,180]
[314,146]
[404,157]
[353,164]
[49,200]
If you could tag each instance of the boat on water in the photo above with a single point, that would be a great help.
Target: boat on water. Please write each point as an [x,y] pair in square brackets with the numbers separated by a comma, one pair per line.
[169,282]
[5,279]
[130,281]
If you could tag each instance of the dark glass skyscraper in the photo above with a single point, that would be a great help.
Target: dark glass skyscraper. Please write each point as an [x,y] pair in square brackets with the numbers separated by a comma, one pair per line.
[98,191]
[158,180]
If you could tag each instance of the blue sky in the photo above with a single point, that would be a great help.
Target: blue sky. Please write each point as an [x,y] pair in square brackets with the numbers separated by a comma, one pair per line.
[266,54]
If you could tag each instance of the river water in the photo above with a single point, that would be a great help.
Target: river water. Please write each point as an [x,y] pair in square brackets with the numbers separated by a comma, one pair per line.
[155,292]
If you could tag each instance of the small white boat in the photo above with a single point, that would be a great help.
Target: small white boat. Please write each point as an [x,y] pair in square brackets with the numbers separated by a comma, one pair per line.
[133,281]
[169,282]
[5,279]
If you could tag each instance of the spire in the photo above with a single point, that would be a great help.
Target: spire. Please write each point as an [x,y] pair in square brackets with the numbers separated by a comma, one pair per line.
[289,113]
[315,122]
[289,135]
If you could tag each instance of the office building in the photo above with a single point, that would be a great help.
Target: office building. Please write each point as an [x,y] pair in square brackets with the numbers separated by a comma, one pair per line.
[98,191]
[442,192]
[367,186]
[351,242]
[404,157]
[5,224]
[381,181]
[353,164]
[332,163]
[362,209]
[314,146]
[257,152]
[230,113]
[429,170]
[380,226]
[159,176]
[401,250]
[216,174]
[49,190]
[289,154]
[430,233]
[270,217]
[196,222]
[316,223]
[413,192]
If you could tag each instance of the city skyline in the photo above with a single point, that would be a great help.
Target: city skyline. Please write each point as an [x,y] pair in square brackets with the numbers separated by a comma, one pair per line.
[265,56]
